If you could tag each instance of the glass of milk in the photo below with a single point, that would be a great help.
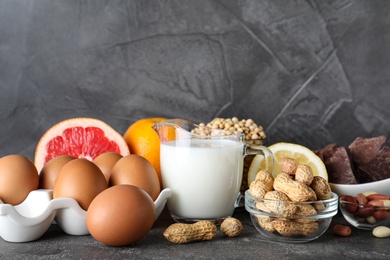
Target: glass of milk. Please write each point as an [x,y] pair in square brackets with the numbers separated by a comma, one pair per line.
[204,172]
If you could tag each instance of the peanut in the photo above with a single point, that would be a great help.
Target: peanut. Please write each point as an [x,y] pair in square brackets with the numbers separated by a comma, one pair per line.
[279,203]
[267,178]
[381,231]
[364,212]
[377,197]
[180,233]
[352,206]
[304,174]
[292,228]
[231,227]
[379,203]
[361,199]
[288,165]
[261,206]
[265,222]
[319,206]
[371,220]
[366,193]
[321,187]
[304,210]
[258,188]
[341,230]
[380,215]
[296,191]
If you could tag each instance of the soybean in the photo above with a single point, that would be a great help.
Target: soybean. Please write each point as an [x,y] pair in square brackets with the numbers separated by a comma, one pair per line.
[253,133]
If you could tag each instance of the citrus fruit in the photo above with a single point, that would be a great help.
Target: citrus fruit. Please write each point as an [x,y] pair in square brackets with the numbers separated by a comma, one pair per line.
[301,154]
[144,141]
[80,138]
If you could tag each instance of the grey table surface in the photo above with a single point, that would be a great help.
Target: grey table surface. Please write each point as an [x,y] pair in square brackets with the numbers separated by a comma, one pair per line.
[55,244]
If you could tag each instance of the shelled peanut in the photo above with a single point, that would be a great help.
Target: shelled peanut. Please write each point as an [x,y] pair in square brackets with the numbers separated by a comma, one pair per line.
[342,230]
[286,196]
[367,207]
[381,232]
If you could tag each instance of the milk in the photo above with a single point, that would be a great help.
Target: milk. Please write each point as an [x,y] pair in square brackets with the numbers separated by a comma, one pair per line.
[204,175]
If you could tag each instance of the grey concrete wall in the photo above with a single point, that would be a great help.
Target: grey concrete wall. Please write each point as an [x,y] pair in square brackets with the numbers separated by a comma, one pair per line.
[311,72]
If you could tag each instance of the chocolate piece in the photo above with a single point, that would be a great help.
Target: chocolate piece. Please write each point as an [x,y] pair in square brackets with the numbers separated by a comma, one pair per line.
[339,167]
[326,152]
[363,150]
[377,168]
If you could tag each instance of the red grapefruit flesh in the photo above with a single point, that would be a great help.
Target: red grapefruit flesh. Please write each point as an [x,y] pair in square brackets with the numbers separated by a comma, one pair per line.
[81,138]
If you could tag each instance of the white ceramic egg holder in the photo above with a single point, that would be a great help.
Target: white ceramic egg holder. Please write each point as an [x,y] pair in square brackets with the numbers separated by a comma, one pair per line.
[29,220]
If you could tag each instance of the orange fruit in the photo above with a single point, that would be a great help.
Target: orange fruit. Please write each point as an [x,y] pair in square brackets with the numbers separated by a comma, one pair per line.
[144,141]
[81,138]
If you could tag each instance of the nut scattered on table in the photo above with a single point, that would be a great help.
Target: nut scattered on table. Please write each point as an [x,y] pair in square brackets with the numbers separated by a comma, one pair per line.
[381,232]
[181,233]
[231,227]
[342,230]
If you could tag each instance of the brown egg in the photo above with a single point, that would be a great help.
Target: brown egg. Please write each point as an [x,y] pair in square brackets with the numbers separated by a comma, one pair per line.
[136,170]
[50,170]
[79,179]
[18,177]
[106,161]
[120,215]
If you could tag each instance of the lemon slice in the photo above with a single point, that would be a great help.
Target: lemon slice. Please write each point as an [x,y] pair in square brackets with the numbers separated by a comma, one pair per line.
[301,154]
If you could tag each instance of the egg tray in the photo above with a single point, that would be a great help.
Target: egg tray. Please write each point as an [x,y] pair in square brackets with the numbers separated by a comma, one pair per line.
[29,220]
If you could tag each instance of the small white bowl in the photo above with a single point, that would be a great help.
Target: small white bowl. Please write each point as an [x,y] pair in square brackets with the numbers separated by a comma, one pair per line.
[382,187]
[29,220]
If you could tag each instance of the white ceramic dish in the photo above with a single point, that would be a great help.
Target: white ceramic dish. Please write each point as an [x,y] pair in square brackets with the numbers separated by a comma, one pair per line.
[29,220]
[382,187]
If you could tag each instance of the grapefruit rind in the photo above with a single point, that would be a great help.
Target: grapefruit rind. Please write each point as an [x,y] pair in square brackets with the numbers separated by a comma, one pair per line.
[59,128]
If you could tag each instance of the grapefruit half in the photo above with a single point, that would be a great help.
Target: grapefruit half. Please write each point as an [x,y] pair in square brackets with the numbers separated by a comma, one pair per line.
[79,137]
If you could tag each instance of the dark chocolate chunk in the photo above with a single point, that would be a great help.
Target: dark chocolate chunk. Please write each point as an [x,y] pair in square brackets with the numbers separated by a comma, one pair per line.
[377,168]
[326,152]
[339,167]
[363,150]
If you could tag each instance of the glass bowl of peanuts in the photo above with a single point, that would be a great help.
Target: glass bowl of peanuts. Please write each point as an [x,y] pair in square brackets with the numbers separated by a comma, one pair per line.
[293,205]
[366,210]
[280,220]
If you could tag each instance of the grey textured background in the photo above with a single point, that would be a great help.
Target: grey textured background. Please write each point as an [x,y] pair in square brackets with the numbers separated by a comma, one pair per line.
[311,72]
